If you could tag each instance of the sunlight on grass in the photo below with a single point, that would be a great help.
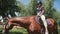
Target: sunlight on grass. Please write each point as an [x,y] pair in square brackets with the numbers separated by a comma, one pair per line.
[19,31]
[16,31]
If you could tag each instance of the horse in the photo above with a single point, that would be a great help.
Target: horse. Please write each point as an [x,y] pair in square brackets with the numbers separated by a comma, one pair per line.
[31,24]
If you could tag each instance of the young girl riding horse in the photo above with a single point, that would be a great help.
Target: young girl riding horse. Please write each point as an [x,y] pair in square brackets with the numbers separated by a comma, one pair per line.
[40,13]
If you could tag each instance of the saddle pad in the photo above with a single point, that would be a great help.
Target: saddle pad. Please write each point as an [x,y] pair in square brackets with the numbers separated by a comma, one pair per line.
[48,21]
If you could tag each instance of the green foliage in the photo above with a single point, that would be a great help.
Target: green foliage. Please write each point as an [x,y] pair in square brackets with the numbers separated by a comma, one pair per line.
[5,3]
[7,7]
[48,5]
[22,10]
[59,31]
[34,6]
[29,9]
[58,20]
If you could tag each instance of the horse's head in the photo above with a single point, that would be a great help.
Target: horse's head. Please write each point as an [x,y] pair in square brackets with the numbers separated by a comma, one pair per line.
[5,20]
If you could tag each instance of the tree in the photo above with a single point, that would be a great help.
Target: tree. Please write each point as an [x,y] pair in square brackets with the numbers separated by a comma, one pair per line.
[7,6]
[58,20]
[22,9]
[32,7]
[48,5]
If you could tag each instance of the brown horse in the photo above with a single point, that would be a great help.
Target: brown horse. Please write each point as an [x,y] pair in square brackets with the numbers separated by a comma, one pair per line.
[31,24]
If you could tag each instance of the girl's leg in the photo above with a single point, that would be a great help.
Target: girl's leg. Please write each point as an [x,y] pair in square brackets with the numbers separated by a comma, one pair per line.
[45,24]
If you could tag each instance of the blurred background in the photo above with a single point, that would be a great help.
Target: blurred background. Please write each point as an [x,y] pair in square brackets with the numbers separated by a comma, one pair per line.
[21,8]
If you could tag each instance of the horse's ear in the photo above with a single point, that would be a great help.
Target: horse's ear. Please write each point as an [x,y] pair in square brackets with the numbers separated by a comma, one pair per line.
[6,18]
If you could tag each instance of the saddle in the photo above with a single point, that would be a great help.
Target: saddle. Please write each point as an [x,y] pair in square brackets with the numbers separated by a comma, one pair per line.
[38,19]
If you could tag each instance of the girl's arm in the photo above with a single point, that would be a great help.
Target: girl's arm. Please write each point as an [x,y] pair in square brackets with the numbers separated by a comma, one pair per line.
[42,12]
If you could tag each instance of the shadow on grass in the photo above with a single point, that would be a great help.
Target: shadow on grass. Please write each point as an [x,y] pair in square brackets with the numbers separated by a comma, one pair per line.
[15,33]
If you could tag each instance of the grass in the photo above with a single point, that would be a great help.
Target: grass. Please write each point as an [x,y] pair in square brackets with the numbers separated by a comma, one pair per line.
[19,31]
[16,31]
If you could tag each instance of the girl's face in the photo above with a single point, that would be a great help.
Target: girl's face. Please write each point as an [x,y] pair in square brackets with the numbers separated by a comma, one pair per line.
[39,5]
